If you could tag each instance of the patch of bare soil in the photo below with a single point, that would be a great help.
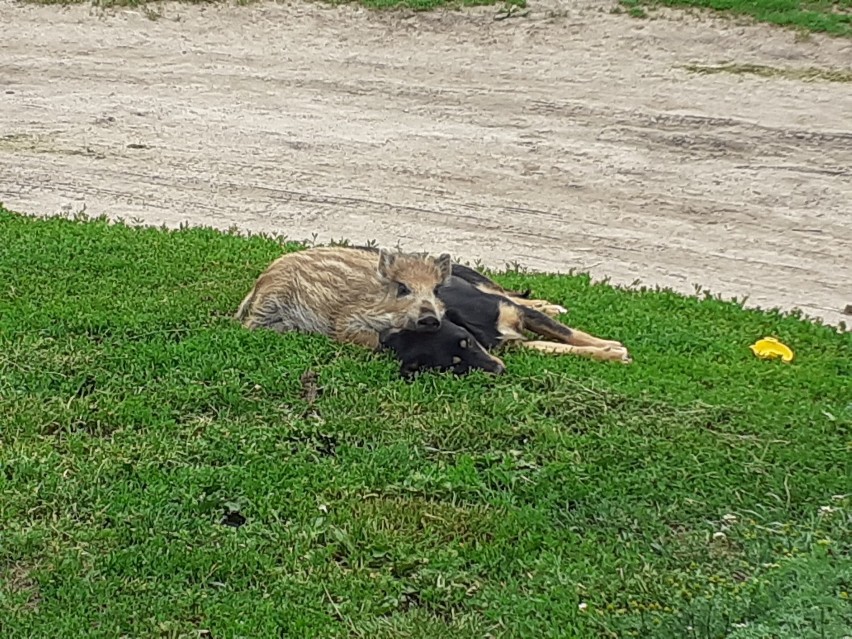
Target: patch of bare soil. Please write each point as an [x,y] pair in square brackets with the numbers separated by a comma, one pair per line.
[569,138]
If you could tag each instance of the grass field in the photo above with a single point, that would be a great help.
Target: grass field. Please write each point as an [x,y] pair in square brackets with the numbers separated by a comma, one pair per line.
[162,473]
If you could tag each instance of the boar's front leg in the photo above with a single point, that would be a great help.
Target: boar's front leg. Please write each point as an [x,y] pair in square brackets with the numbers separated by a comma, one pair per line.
[350,331]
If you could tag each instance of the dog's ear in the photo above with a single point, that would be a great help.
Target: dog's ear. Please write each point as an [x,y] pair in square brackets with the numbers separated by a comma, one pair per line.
[445,266]
[386,263]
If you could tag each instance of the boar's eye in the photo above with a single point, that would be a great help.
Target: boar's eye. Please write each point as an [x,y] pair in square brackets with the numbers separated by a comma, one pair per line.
[402,290]
[463,343]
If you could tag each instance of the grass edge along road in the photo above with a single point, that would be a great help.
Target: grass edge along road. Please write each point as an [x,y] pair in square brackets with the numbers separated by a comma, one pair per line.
[833,17]
[166,473]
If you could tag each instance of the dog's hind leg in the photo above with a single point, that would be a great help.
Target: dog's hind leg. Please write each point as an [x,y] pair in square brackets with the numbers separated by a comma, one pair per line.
[540,324]
[606,353]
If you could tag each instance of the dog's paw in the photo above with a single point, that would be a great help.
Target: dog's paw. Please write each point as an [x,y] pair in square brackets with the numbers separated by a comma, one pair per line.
[548,308]
[615,354]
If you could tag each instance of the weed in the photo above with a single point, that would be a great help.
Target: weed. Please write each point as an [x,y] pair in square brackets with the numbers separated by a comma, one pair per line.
[634,8]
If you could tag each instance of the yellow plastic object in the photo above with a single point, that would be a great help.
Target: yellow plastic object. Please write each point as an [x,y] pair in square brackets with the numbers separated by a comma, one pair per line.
[769,347]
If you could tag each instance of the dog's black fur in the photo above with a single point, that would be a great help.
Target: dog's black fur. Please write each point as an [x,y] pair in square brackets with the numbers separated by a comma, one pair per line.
[475,310]
[490,317]
[476,278]
[451,348]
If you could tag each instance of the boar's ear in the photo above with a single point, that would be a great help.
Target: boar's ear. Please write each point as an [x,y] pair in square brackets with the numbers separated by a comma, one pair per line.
[386,262]
[445,266]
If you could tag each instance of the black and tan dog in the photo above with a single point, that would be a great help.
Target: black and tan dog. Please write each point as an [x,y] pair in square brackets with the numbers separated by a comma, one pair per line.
[493,316]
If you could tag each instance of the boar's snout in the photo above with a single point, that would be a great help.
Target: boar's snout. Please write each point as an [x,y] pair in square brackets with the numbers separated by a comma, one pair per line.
[428,320]
[428,323]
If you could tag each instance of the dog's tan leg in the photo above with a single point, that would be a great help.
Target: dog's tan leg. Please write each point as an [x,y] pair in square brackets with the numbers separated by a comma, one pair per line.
[547,327]
[579,338]
[607,354]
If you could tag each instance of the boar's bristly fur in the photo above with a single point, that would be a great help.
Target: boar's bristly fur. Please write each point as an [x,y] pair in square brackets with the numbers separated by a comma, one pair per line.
[349,294]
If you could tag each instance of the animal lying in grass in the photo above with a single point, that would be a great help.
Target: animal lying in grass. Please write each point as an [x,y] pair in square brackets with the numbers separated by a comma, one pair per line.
[496,317]
[378,299]
[349,294]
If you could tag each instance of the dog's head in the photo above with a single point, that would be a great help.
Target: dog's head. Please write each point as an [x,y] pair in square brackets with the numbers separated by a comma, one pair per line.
[450,348]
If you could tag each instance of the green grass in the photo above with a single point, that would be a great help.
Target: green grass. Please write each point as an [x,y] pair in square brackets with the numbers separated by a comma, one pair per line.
[699,492]
[828,16]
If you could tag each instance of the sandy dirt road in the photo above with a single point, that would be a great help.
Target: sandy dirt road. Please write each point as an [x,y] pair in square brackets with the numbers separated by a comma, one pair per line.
[569,138]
